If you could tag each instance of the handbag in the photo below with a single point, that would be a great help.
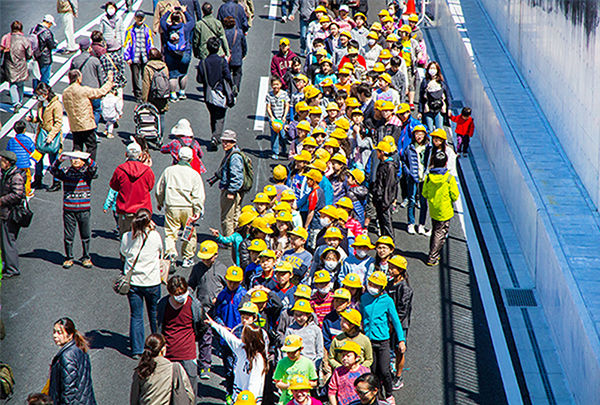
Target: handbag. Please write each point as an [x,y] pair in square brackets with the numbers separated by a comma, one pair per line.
[52,147]
[122,283]
[165,266]
[21,214]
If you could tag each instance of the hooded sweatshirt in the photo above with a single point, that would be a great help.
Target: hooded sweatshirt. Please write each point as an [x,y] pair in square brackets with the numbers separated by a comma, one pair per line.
[279,64]
[133,180]
[441,191]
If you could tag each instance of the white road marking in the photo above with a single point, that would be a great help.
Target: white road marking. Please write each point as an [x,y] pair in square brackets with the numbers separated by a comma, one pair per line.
[273,10]
[261,104]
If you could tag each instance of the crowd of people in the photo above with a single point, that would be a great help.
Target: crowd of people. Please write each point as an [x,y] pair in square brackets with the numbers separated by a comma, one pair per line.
[312,307]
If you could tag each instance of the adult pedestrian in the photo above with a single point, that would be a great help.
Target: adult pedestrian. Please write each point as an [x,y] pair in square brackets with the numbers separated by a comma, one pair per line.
[12,193]
[155,64]
[238,47]
[205,29]
[231,175]
[213,71]
[177,26]
[142,249]
[18,51]
[113,61]
[156,377]
[368,388]
[305,9]
[137,45]
[111,24]
[193,7]
[46,44]
[68,9]
[232,8]
[133,181]
[50,119]
[181,191]
[77,100]
[434,102]
[91,72]
[181,320]
[71,368]
[160,8]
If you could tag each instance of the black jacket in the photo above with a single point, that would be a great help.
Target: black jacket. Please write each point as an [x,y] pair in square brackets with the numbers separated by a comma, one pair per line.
[402,295]
[217,69]
[71,377]
[12,190]
[385,186]
[46,44]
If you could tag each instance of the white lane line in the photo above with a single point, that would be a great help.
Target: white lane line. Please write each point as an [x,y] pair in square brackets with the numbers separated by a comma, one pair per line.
[57,76]
[507,371]
[273,10]
[261,104]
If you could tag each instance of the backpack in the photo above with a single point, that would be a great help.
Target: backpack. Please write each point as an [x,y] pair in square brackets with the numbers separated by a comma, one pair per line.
[7,381]
[159,85]
[435,100]
[35,45]
[196,163]
[177,43]
[248,172]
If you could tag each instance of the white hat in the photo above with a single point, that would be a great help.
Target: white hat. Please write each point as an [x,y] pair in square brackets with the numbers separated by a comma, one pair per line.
[186,153]
[49,18]
[183,128]
[345,8]
[229,135]
[134,149]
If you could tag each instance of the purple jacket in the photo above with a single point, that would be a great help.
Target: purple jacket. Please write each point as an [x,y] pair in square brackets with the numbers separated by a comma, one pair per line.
[279,64]
[129,46]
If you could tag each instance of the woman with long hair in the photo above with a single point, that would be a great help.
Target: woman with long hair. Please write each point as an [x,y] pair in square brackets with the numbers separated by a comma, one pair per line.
[251,364]
[71,369]
[153,381]
[434,102]
[142,248]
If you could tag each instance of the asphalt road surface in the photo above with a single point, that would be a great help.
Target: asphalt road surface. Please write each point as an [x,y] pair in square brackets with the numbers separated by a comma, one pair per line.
[450,358]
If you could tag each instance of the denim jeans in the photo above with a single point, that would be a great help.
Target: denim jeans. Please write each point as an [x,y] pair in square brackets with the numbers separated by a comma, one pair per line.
[45,76]
[415,191]
[285,7]
[303,34]
[16,93]
[39,165]
[278,143]
[431,119]
[97,106]
[136,297]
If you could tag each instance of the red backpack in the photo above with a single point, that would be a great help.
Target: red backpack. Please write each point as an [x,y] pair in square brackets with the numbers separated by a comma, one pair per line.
[196,163]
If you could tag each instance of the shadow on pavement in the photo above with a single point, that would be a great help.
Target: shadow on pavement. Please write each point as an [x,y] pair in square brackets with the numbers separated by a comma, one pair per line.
[104,339]
[46,255]
[101,233]
[106,262]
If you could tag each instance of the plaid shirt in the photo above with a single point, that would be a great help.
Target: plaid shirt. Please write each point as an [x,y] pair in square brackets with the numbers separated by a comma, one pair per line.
[175,145]
[113,61]
[139,52]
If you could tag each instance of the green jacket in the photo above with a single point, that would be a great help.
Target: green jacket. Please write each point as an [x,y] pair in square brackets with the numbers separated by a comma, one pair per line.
[441,191]
[206,28]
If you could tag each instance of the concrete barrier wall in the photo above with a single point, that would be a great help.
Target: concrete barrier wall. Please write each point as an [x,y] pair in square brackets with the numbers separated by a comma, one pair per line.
[572,326]
[554,45]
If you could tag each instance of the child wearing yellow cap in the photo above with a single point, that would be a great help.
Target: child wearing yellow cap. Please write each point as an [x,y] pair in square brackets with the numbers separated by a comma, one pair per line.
[360,263]
[350,324]
[298,256]
[385,187]
[304,326]
[322,298]
[293,364]
[237,237]
[341,386]
[267,259]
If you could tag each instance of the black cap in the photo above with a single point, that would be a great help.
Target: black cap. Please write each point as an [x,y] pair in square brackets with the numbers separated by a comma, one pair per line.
[8,155]
[140,14]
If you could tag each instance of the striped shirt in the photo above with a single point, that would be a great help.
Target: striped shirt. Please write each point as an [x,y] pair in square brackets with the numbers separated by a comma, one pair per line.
[322,305]
[77,189]
[277,103]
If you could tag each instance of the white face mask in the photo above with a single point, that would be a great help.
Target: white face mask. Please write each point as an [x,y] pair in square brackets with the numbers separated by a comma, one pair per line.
[432,72]
[111,11]
[361,254]
[384,267]
[371,41]
[330,264]
[395,53]
[181,298]
[324,290]
[325,221]
[373,290]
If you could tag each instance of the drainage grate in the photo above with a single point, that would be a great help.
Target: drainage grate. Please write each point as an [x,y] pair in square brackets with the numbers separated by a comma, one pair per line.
[520,297]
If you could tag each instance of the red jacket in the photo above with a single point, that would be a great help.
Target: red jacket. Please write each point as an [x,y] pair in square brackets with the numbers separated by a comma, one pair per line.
[133,180]
[463,126]
[279,65]
[360,60]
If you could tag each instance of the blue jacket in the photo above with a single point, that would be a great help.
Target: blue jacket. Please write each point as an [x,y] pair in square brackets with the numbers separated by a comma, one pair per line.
[129,45]
[226,307]
[23,157]
[377,312]
[327,188]
[167,29]
[410,161]
[237,49]
[232,171]
[71,377]
[332,326]
[232,9]
[406,132]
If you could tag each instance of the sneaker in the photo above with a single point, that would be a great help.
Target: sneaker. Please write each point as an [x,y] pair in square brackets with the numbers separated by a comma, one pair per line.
[173,97]
[17,108]
[67,264]
[391,400]
[398,383]
[283,20]
[182,96]
[214,146]
[435,263]
[136,356]
[411,229]
[187,263]
[404,203]
[465,154]
[422,231]
[205,374]
[87,263]
[275,157]
[109,135]
[229,400]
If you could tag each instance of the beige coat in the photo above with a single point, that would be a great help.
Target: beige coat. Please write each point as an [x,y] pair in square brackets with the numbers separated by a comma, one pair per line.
[151,67]
[180,186]
[156,389]
[51,118]
[77,100]
[63,7]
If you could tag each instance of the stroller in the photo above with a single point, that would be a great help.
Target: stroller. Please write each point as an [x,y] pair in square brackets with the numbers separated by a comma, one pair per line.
[147,123]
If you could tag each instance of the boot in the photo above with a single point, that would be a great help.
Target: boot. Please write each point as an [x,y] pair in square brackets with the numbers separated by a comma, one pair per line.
[37,182]
[55,186]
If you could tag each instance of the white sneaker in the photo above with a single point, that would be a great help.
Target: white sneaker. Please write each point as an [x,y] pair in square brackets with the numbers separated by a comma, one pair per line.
[404,203]
[391,400]
[422,231]
[187,263]
[411,229]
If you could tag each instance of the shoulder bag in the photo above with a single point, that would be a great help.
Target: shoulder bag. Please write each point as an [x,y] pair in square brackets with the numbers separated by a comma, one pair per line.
[211,94]
[122,283]
[21,215]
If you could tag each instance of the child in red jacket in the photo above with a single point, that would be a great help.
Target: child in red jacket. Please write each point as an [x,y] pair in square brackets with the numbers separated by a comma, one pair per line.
[464,130]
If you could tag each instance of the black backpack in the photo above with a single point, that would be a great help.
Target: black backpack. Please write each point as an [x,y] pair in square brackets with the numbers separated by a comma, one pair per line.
[435,100]
[159,85]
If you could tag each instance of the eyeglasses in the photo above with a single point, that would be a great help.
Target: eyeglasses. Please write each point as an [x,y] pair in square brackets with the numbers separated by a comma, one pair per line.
[361,393]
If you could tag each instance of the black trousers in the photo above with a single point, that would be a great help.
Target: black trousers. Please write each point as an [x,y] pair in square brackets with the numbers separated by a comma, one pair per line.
[72,220]
[236,76]
[217,120]
[87,138]
[384,218]
[137,72]
[10,253]
[381,364]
